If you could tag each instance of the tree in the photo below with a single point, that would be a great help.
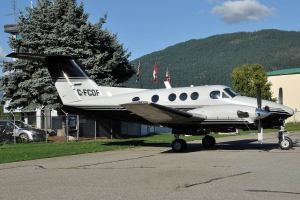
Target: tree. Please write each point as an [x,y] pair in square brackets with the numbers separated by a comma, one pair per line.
[61,27]
[246,77]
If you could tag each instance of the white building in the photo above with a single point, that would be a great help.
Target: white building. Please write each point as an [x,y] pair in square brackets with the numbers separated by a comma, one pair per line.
[289,81]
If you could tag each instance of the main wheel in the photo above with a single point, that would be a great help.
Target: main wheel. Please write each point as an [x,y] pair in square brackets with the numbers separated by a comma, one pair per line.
[208,141]
[179,145]
[286,143]
[23,138]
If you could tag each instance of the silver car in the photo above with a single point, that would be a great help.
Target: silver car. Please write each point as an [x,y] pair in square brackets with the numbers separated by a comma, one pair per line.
[24,132]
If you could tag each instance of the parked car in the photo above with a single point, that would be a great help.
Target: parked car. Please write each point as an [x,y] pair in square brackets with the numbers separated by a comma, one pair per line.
[24,132]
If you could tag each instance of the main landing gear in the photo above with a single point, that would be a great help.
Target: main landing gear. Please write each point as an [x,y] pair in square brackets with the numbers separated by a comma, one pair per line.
[285,143]
[208,141]
[180,145]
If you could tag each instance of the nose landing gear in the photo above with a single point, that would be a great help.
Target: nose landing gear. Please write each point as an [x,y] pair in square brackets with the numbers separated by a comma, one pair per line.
[285,143]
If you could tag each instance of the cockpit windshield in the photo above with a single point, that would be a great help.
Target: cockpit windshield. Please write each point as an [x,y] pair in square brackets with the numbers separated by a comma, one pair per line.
[230,92]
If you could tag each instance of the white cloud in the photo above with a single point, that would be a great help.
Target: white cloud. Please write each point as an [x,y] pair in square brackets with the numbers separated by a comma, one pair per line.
[242,10]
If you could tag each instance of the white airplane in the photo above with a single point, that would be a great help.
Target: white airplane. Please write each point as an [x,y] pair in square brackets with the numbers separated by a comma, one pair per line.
[187,110]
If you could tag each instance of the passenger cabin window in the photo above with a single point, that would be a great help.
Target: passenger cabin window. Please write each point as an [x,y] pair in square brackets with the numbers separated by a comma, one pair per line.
[155,98]
[224,95]
[215,95]
[183,96]
[135,98]
[172,97]
[194,96]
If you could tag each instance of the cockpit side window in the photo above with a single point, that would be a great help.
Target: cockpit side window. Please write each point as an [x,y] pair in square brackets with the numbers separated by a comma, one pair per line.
[230,92]
[215,94]
[224,95]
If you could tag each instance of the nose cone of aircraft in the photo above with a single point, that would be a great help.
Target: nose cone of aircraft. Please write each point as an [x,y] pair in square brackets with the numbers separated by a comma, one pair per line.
[288,110]
[269,106]
[278,108]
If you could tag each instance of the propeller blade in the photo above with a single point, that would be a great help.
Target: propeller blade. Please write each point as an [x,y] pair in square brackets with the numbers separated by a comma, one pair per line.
[258,96]
[260,134]
[280,96]
[259,126]
[260,114]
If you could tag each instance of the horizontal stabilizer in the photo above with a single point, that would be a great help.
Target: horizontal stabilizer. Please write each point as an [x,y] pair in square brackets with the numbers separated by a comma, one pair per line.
[27,56]
[37,57]
[159,114]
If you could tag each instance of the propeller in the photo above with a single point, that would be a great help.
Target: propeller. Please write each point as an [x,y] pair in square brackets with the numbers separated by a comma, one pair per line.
[280,96]
[260,113]
[259,110]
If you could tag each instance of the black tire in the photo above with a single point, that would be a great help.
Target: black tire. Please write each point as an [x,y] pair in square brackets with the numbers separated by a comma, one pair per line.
[286,144]
[208,141]
[23,138]
[179,145]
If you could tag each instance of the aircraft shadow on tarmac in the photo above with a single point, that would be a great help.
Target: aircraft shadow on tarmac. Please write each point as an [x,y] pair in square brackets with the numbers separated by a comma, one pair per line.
[246,144]
[236,145]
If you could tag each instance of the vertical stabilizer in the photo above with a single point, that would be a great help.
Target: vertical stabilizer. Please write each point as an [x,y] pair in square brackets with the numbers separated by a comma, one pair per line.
[72,84]
[70,81]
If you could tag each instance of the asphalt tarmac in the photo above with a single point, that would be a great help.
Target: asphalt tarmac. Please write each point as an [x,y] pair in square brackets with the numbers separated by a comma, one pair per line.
[237,168]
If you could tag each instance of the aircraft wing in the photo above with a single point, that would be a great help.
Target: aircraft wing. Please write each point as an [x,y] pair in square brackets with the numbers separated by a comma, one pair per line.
[158,114]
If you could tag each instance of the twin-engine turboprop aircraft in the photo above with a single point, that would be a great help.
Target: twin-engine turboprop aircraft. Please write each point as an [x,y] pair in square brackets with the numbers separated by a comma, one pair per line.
[187,110]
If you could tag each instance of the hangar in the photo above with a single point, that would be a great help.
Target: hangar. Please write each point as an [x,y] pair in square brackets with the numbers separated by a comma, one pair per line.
[289,81]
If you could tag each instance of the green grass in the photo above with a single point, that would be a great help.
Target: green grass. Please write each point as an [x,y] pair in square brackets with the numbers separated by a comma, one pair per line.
[31,151]
[292,126]
[288,127]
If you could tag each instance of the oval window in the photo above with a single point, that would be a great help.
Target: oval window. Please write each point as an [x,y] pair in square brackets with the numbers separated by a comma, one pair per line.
[155,98]
[172,97]
[215,95]
[183,96]
[194,95]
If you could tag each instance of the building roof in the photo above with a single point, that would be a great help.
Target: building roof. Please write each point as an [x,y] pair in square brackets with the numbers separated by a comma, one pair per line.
[284,72]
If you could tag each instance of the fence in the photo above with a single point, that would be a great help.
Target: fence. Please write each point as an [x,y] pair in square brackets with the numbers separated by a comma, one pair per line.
[45,126]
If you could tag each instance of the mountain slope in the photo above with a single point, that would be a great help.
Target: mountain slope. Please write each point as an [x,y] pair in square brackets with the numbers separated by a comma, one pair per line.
[211,60]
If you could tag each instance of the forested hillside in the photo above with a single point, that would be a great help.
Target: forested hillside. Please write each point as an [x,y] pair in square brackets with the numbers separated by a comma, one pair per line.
[211,60]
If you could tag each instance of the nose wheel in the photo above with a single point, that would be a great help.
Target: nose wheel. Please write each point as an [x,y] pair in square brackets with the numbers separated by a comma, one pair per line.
[285,143]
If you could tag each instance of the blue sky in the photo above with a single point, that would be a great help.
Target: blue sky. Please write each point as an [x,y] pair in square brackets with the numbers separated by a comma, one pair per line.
[144,26]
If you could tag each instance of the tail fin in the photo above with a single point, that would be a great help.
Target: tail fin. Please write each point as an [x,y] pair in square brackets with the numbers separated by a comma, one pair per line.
[71,82]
